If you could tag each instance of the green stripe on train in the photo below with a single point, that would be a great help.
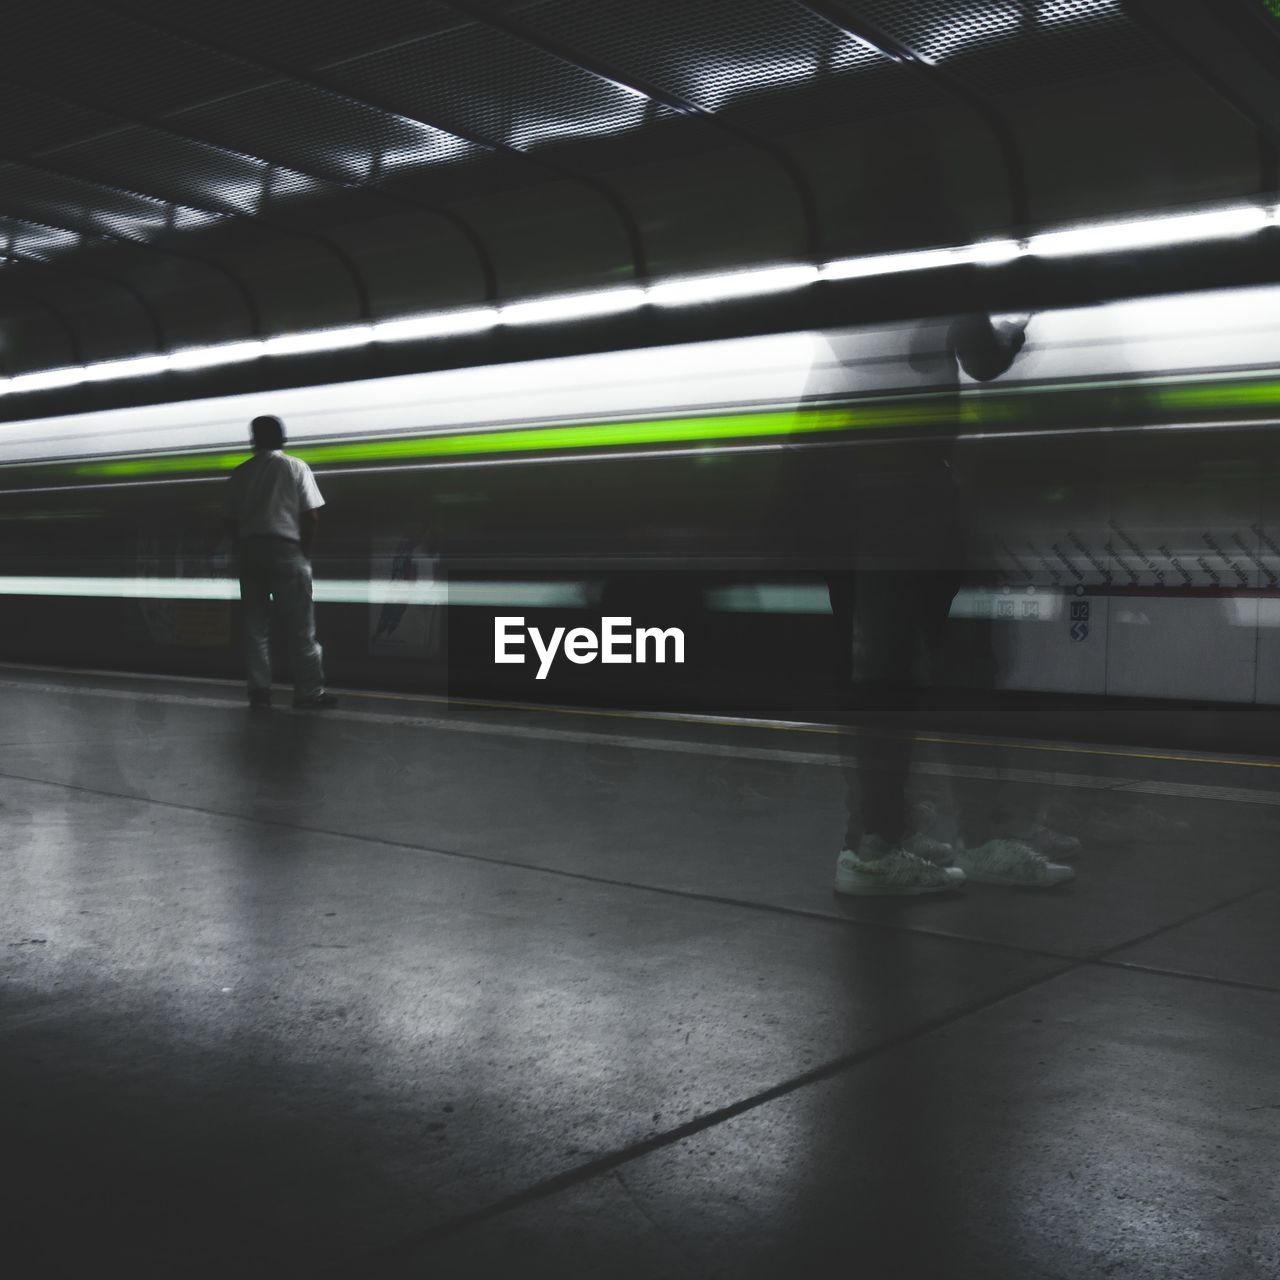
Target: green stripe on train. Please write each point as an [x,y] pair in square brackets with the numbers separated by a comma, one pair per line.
[1011,404]
[609,435]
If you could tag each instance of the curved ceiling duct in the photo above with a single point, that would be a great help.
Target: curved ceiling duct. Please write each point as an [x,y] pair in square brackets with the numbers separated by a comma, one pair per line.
[257,174]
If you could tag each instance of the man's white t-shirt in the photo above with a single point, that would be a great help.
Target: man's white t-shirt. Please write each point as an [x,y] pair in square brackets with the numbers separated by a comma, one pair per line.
[267,495]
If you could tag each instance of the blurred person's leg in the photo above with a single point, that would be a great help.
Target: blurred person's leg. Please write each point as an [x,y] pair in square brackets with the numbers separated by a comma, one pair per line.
[255,596]
[932,594]
[291,580]
[893,612]
[881,663]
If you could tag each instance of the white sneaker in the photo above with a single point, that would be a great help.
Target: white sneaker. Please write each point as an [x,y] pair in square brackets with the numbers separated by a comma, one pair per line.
[1005,861]
[876,868]
[939,852]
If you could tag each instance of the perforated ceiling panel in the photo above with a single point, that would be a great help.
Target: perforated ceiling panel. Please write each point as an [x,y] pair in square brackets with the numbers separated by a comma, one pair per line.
[1002,45]
[307,128]
[483,82]
[56,200]
[726,55]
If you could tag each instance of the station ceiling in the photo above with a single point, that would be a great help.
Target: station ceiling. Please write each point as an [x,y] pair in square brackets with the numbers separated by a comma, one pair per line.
[180,174]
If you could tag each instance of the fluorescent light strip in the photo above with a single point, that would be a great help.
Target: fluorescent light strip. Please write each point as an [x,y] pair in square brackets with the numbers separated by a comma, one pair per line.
[222,353]
[45,380]
[139,366]
[573,306]
[528,595]
[1102,237]
[289,344]
[440,324]
[984,253]
[687,290]
[1146,233]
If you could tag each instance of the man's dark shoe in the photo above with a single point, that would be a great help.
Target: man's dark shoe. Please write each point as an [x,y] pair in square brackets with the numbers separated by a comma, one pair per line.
[321,702]
[259,699]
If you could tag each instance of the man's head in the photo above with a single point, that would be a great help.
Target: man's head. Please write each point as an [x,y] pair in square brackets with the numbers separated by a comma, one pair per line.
[268,433]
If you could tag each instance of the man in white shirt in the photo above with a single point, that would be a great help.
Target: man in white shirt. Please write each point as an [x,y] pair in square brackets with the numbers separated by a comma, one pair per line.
[271,510]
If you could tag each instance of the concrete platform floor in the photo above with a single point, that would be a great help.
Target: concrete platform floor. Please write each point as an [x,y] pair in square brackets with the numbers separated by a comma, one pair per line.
[413,989]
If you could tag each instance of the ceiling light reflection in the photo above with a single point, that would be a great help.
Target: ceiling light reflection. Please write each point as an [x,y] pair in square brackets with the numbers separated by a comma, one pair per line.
[626,112]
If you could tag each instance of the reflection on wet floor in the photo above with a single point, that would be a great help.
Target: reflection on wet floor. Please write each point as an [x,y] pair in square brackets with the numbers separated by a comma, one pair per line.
[474,988]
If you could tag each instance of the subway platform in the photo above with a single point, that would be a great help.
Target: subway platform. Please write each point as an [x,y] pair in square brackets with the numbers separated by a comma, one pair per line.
[424,988]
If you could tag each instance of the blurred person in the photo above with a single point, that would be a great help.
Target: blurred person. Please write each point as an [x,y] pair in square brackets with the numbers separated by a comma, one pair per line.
[271,510]
[896,517]
[908,533]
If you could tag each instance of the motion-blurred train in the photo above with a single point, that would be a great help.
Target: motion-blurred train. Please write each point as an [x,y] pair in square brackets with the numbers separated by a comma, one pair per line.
[1122,480]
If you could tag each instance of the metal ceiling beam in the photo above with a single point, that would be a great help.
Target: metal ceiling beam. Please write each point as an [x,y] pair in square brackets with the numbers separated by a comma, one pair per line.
[238,286]
[483,257]
[75,347]
[336,250]
[857,28]
[813,239]
[271,166]
[144,303]
[621,209]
